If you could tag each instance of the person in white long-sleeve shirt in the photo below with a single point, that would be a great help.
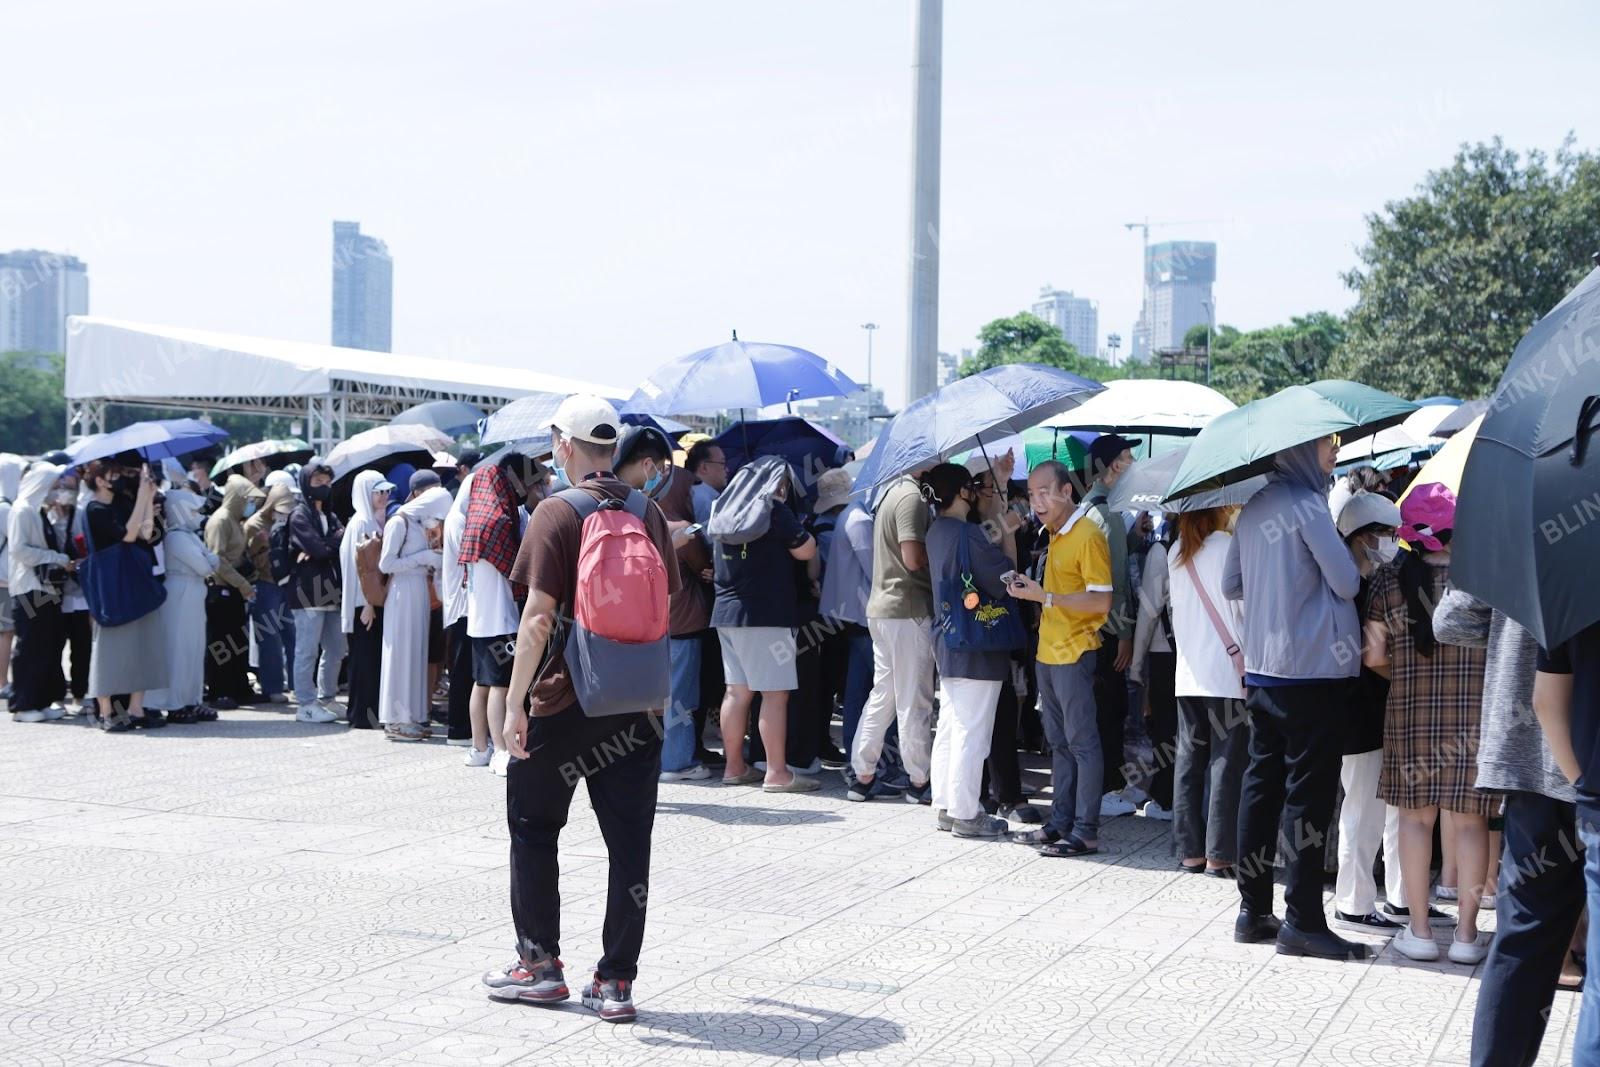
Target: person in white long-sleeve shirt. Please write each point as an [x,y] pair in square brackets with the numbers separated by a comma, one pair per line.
[409,559]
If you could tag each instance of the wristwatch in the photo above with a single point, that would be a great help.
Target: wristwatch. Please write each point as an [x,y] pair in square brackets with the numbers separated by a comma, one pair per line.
[1049,600]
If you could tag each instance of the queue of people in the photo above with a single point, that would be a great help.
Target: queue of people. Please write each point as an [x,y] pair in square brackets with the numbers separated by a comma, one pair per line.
[591,604]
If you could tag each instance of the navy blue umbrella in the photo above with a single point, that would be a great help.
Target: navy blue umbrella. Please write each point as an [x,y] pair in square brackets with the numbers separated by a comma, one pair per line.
[737,374]
[969,413]
[156,439]
[449,416]
[1527,519]
[807,447]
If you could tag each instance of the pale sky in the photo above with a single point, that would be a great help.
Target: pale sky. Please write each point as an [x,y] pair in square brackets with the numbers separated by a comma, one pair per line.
[592,188]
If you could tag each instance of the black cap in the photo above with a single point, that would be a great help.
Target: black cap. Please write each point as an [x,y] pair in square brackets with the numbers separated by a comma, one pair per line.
[1104,451]
[634,436]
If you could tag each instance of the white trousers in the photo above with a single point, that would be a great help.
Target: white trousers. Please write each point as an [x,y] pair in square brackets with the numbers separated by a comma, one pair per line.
[1364,823]
[902,690]
[961,744]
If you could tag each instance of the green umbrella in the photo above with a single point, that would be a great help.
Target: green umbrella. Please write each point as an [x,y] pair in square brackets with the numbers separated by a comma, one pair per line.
[283,449]
[1241,443]
[1033,446]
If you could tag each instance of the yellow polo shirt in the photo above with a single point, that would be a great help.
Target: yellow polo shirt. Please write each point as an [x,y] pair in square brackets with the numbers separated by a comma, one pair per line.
[1079,560]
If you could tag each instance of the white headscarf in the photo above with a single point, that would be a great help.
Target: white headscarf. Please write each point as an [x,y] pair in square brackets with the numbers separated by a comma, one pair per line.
[183,510]
[432,504]
[11,468]
[36,485]
[361,490]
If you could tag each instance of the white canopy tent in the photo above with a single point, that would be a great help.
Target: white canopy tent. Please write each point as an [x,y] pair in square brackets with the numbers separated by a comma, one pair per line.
[111,361]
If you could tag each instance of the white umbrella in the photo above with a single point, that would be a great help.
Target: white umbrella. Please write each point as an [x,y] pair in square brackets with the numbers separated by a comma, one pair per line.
[1146,406]
[1414,435]
[374,444]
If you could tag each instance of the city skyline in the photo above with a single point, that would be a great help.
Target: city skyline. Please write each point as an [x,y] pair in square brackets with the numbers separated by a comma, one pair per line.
[38,290]
[363,290]
[567,168]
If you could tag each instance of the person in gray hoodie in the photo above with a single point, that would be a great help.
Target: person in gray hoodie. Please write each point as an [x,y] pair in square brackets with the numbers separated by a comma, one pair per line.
[1302,652]
[1541,890]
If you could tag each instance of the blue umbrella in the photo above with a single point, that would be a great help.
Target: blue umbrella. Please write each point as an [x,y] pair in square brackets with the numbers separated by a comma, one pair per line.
[968,413]
[524,419]
[671,428]
[807,447]
[156,439]
[449,416]
[738,374]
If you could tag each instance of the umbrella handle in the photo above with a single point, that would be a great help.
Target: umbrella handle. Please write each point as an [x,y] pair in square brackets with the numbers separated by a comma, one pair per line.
[1580,434]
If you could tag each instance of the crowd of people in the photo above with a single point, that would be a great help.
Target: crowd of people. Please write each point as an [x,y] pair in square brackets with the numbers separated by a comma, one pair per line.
[626,611]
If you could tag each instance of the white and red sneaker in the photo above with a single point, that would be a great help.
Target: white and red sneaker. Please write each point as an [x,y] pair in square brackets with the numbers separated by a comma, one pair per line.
[543,984]
[611,999]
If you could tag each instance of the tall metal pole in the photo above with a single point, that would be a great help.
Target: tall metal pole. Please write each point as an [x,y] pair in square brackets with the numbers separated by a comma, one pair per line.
[869,327]
[922,338]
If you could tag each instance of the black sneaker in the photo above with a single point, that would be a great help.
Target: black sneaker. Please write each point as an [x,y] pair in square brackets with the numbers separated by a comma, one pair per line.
[1402,916]
[1371,921]
[611,999]
[919,794]
[545,984]
[1024,813]
[225,704]
[855,789]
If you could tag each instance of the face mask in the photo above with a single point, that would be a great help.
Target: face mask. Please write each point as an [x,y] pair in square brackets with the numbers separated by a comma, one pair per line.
[1386,549]
[249,508]
[64,497]
[127,484]
[558,479]
[652,483]
[319,492]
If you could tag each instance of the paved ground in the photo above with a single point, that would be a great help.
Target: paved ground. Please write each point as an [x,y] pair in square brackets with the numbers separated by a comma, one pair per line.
[258,891]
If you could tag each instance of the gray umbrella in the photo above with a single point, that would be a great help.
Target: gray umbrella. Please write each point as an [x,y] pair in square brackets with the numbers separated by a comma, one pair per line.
[450,416]
[1143,485]
[1528,515]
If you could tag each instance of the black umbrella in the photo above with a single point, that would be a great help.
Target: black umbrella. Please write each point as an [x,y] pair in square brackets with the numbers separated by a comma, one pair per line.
[1143,486]
[1528,515]
[1460,418]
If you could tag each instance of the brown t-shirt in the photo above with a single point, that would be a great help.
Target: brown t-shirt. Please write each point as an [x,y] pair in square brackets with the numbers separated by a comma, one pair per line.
[548,561]
[691,604]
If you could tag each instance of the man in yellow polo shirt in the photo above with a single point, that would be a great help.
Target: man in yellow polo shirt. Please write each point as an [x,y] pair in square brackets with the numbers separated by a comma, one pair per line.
[1075,599]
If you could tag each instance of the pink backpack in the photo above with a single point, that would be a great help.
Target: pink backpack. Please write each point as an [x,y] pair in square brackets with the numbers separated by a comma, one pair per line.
[618,650]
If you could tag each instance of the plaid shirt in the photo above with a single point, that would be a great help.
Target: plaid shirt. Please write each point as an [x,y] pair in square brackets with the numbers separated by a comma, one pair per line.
[492,529]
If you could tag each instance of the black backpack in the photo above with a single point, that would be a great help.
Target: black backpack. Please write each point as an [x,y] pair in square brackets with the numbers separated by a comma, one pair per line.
[280,557]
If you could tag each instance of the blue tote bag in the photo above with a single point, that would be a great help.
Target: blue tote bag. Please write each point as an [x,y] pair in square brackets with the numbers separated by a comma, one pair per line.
[119,583]
[972,620]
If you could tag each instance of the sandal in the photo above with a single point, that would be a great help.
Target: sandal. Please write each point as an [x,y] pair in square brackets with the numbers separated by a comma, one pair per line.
[1070,847]
[1042,836]
[749,777]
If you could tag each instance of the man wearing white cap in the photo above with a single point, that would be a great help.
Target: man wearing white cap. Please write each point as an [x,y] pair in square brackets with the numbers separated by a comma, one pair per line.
[618,756]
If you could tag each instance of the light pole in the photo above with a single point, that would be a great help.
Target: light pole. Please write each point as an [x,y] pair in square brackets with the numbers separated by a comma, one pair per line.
[1211,329]
[869,327]
[1114,342]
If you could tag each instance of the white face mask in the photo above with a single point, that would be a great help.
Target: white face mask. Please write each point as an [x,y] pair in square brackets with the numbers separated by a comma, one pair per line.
[430,524]
[1387,549]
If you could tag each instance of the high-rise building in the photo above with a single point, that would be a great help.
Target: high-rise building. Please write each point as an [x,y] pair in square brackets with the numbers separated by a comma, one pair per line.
[38,290]
[849,418]
[363,289]
[1077,317]
[1178,276]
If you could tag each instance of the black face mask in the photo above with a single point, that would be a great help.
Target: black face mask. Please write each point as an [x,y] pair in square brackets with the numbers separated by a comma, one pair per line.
[126,484]
[319,492]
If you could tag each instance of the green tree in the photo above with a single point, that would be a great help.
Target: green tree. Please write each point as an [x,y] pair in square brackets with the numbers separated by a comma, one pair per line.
[32,405]
[1451,278]
[1026,338]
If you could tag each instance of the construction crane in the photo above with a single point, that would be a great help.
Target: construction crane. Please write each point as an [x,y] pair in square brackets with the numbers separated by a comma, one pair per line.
[1144,229]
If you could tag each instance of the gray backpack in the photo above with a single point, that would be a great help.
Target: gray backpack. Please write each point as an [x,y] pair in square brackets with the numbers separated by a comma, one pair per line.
[743,512]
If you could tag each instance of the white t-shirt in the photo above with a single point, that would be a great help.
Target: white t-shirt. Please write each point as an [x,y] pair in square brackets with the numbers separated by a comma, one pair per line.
[1204,666]
[491,611]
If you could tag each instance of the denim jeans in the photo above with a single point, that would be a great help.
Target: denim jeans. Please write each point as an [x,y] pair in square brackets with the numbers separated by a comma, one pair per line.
[1067,709]
[1586,1045]
[316,631]
[1540,898]
[274,634]
[677,740]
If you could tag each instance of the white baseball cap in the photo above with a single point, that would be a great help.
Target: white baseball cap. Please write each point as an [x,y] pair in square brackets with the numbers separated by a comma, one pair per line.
[1366,509]
[588,418]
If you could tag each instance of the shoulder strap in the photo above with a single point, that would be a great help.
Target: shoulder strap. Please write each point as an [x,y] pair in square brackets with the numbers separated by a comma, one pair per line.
[580,500]
[1215,616]
[637,504]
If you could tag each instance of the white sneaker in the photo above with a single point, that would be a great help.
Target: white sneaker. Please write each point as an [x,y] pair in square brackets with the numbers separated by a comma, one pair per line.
[1114,804]
[1134,794]
[499,762]
[698,773]
[1413,947]
[28,716]
[1469,952]
[1152,810]
[1487,903]
[814,767]
[331,704]
[55,711]
[314,713]
[478,757]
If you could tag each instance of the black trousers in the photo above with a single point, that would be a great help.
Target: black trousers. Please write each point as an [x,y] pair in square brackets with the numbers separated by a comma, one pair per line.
[619,758]
[459,663]
[1003,769]
[1296,736]
[1161,692]
[1540,898]
[712,685]
[364,661]
[80,640]
[227,645]
[1111,713]
[36,679]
